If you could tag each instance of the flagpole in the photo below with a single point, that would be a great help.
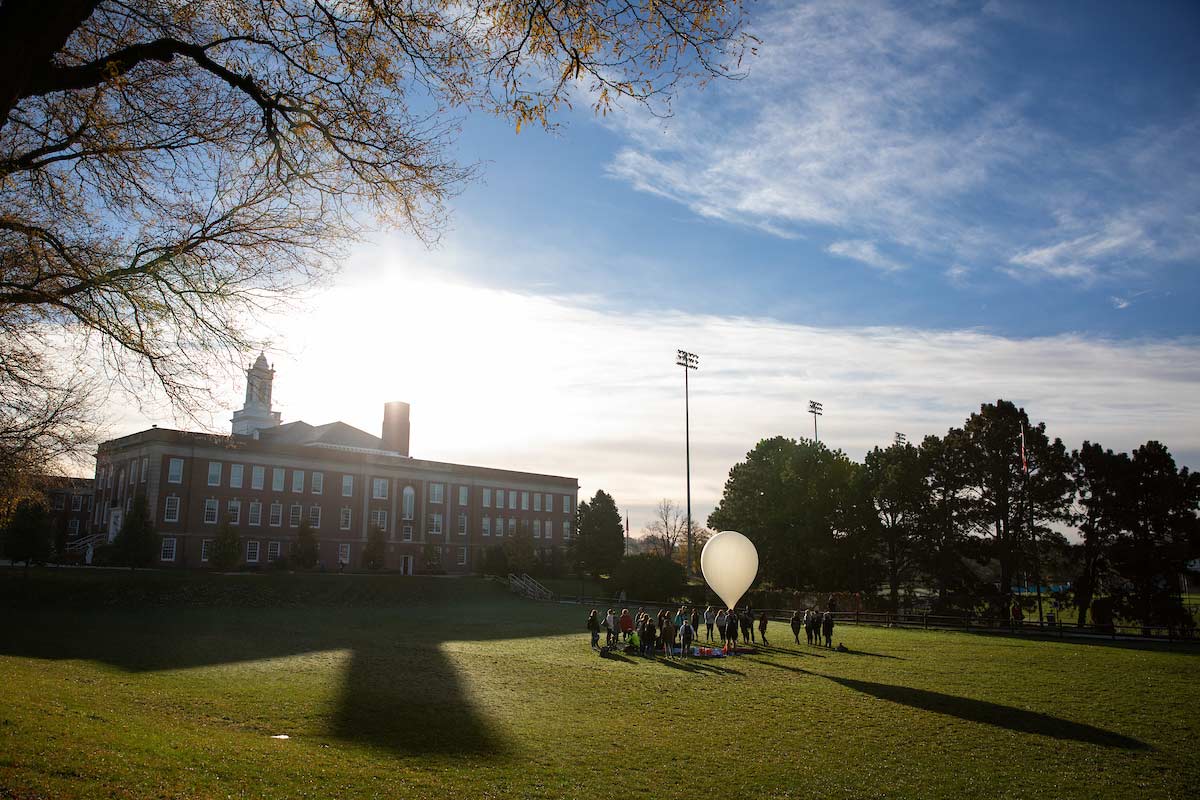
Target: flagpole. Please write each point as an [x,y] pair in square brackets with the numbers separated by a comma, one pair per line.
[1037,559]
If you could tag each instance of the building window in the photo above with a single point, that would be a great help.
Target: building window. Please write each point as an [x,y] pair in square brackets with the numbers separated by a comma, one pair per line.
[435,523]
[171,512]
[537,529]
[524,501]
[343,553]
[487,526]
[525,527]
[462,556]
[133,472]
[276,518]
[235,475]
[76,502]
[512,500]
[379,519]
[346,518]
[379,488]
[257,476]
[566,529]
[566,504]
[435,493]
[128,504]
[174,472]
[233,510]
[410,502]
[59,502]
[462,524]
[255,515]
[347,485]
[318,483]
[168,549]
[487,498]
[210,511]
[298,481]
[177,480]
[407,533]
[214,473]
[73,527]
[549,529]
[277,477]
[272,551]
[462,495]
[499,498]
[314,516]
[252,552]
[537,501]
[145,468]
[294,514]
[205,549]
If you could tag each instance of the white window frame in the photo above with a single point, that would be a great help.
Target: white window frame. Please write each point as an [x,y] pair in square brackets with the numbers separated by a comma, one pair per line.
[566,504]
[462,523]
[145,467]
[297,481]
[272,552]
[174,472]
[258,477]
[524,501]
[59,502]
[537,529]
[379,488]
[77,502]
[537,501]
[133,472]
[317,483]
[254,514]
[252,548]
[549,532]
[486,526]
[462,556]
[566,529]
[233,510]
[73,527]
[408,503]
[499,498]
[214,473]
[435,522]
[512,499]
[275,515]
[162,551]
[278,478]
[512,526]
[406,533]
[295,514]
[347,486]
[171,508]
[379,518]
[463,494]
[487,498]
[205,549]
[346,518]
[344,553]
[212,510]
[314,517]
[237,474]
[436,493]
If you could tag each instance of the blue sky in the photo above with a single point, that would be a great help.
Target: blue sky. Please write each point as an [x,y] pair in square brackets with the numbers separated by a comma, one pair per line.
[903,211]
[1025,169]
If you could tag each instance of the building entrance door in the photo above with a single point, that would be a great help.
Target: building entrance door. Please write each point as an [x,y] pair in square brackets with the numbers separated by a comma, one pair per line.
[406,565]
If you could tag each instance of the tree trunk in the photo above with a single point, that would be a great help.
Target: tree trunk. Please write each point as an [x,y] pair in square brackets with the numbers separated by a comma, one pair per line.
[31,32]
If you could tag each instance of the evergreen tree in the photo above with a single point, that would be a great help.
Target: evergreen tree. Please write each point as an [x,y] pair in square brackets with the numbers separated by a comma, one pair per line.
[374,554]
[226,548]
[27,535]
[519,551]
[600,535]
[136,544]
[893,485]
[1101,478]
[942,537]
[304,549]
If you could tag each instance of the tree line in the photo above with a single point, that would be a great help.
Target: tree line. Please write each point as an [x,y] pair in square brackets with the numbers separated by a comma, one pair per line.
[967,516]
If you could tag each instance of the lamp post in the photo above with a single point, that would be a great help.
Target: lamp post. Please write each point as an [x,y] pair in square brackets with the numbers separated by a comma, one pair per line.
[815,409]
[689,362]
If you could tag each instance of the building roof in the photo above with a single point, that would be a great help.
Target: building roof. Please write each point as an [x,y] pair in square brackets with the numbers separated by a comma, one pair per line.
[261,361]
[337,434]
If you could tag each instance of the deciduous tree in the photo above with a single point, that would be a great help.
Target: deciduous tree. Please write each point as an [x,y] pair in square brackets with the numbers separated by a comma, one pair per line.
[137,545]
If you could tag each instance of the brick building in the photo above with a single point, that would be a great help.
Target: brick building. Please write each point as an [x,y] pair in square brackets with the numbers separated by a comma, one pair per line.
[266,477]
[71,506]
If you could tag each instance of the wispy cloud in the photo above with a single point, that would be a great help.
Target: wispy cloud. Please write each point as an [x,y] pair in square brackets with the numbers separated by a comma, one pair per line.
[866,252]
[868,123]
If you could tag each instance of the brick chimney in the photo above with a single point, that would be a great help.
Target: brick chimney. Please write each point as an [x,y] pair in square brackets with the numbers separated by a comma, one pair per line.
[396,427]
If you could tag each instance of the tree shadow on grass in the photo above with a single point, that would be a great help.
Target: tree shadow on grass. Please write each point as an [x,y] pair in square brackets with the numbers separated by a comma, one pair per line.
[851,652]
[400,690]
[697,666]
[1013,719]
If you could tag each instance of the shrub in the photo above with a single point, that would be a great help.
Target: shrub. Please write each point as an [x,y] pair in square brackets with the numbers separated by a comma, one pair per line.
[304,550]
[226,548]
[373,554]
[649,577]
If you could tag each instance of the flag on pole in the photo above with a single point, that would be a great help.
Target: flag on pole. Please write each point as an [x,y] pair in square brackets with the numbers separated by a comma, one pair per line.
[1024,460]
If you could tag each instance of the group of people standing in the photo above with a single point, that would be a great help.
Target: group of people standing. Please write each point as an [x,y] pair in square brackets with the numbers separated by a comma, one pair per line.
[815,624]
[664,630]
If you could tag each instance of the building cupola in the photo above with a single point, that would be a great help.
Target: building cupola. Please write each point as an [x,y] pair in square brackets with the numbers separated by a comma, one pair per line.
[256,413]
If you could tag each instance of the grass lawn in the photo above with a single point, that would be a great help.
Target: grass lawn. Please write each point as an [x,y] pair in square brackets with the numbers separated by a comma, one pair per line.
[172,686]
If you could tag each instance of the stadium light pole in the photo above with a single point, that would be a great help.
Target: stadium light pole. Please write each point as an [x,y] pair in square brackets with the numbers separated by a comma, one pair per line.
[816,410]
[689,362]
[901,439]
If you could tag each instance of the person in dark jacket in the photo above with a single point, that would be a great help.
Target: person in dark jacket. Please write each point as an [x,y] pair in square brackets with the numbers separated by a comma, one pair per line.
[731,630]
[797,624]
[827,628]
[649,642]
[747,621]
[762,629]
[593,625]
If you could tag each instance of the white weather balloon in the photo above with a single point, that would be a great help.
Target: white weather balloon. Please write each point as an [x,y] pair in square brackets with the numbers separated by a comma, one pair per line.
[729,562]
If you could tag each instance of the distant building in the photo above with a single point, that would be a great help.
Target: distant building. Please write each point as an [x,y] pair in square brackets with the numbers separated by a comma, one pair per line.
[267,476]
[71,505]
